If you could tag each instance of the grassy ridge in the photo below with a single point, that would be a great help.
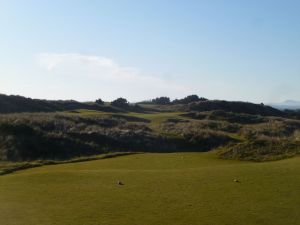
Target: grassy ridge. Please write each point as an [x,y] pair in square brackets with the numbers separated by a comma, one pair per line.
[169,189]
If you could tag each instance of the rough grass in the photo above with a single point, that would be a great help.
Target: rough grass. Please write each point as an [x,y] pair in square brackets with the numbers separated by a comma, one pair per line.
[168,189]
[61,136]
[260,150]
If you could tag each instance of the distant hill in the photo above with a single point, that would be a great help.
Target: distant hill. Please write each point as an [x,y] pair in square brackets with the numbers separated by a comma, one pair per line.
[236,107]
[289,104]
[15,104]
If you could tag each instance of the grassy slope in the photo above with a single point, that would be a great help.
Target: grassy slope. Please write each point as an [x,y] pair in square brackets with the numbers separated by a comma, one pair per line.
[155,118]
[168,189]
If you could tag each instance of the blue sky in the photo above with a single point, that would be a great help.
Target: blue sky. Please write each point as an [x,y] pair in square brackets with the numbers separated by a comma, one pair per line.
[76,49]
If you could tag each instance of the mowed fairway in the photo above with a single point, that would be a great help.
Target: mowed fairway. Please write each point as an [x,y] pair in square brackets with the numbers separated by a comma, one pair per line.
[159,189]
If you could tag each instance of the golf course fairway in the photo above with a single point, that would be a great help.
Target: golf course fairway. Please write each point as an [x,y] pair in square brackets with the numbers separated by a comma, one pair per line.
[154,189]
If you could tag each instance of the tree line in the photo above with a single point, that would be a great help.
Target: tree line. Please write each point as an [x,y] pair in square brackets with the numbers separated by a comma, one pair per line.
[122,102]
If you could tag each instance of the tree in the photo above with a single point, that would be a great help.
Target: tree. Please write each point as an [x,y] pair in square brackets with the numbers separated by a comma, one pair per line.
[161,101]
[120,102]
[99,101]
[203,99]
[189,99]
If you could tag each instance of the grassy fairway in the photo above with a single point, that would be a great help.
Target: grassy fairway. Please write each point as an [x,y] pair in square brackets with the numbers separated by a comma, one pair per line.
[160,189]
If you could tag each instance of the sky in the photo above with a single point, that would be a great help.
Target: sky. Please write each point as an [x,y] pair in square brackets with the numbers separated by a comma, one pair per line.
[84,50]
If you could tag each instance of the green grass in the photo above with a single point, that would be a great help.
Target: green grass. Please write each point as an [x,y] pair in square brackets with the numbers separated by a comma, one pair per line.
[88,112]
[160,189]
[154,117]
[157,117]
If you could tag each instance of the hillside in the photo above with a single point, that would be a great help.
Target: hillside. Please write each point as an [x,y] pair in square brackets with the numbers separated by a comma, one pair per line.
[61,136]
[236,107]
[17,104]
[93,162]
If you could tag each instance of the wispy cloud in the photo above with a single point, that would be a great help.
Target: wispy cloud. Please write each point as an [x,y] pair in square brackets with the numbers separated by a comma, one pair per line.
[100,74]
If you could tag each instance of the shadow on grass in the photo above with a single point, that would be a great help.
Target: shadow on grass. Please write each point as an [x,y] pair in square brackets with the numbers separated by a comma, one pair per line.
[14,167]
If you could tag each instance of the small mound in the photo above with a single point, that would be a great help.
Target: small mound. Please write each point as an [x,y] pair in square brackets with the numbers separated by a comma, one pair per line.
[236,107]
[261,150]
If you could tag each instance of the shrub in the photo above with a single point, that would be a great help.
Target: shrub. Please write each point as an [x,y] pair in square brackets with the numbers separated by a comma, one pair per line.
[161,101]
[99,101]
[120,102]
[261,150]
[189,99]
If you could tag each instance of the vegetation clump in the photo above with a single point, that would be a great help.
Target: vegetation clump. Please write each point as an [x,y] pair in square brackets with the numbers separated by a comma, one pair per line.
[120,102]
[99,101]
[161,101]
[189,99]
[261,150]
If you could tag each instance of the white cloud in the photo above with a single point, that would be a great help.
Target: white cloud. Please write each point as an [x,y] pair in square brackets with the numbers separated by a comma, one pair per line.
[87,77]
